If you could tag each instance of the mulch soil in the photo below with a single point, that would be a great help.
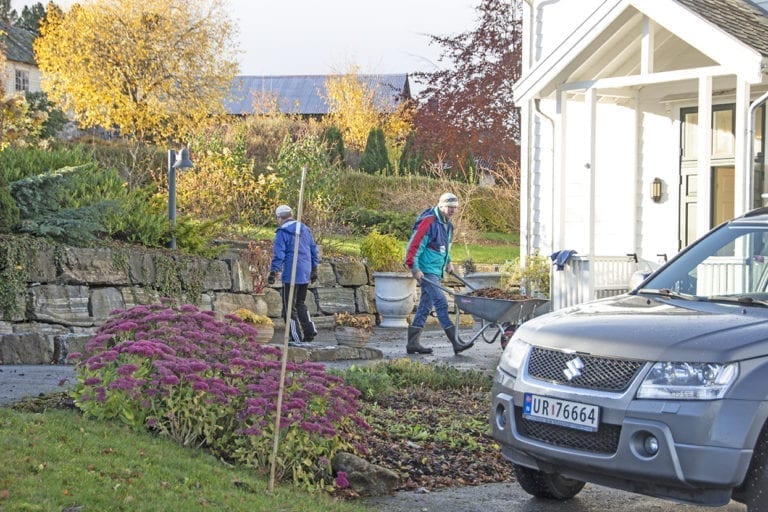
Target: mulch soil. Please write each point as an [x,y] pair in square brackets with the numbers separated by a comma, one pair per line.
[452,445]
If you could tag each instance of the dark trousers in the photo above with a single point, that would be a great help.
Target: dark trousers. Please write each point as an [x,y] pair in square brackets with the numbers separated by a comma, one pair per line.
[302,326]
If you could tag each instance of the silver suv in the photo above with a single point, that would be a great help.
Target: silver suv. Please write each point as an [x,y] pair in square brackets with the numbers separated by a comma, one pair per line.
[662,391]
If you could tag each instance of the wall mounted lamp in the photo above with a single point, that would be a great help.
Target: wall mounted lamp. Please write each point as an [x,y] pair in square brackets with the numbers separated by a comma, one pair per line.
[656,190]
[175,161]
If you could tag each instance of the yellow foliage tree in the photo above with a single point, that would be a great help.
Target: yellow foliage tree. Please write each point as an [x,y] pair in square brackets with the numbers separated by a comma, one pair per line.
[154,69]
[353,110]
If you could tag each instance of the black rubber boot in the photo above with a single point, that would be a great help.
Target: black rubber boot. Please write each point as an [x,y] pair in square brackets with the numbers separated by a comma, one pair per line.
[453,337]
[413,346]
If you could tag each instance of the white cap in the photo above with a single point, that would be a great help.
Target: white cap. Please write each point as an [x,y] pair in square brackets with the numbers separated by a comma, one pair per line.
[283,210]
[448,199]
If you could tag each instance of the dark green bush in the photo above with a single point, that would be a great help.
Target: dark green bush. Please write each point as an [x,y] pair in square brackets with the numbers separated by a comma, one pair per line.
[411,159]
[375,157]
[362,220]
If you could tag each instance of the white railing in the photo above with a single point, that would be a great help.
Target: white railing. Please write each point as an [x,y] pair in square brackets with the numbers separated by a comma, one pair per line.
[722,275]
[583,278]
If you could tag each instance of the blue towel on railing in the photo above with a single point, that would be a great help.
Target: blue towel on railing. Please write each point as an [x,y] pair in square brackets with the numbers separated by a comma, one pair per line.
[560,258]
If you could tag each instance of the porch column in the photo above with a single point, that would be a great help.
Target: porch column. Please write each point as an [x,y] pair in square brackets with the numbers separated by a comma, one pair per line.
[558,173]
[591,104]
[704,153]
[743,176]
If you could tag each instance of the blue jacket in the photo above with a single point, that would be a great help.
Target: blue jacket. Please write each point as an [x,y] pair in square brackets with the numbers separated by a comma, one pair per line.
[283,247]
[429,248]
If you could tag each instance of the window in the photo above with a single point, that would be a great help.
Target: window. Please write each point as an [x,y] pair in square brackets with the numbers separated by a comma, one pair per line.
[22,80]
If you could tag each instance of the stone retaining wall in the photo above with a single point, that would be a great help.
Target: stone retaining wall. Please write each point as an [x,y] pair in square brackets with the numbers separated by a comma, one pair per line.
[71,291]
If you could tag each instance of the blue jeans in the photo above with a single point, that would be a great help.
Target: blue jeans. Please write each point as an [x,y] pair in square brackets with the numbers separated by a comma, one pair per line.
[432,296]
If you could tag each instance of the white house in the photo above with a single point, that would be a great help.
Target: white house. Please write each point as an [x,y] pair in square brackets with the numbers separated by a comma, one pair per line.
[21,72]
[615,164]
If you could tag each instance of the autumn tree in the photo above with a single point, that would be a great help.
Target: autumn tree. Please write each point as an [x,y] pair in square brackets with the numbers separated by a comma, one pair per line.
[154,69]
[467,111]
[353,110]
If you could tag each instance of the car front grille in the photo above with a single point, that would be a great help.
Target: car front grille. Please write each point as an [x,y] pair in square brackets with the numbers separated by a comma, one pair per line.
[604,441]
[599,373]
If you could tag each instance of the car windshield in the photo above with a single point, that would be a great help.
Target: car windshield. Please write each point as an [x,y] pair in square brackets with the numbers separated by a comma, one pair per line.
[730,263]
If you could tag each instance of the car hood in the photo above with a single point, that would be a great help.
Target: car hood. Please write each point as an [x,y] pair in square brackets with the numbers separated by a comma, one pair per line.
[654,328]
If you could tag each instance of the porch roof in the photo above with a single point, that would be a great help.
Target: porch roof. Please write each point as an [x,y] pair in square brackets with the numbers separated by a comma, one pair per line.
[692,38]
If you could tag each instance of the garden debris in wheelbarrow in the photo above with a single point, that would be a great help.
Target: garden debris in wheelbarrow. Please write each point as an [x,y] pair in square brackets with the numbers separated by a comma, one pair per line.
[497,293]
[499,317]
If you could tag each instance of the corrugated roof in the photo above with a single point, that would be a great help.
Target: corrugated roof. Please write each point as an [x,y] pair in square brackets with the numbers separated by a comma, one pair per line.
[18,43]
[305,94]
[740,18]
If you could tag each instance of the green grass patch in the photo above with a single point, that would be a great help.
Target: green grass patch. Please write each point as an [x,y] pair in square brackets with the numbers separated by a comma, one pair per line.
[59,460]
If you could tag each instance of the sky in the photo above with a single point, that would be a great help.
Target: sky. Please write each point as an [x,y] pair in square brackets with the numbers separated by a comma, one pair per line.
[310,37]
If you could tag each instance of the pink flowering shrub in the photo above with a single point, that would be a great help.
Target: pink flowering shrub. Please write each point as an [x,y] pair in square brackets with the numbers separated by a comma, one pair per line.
[204,383]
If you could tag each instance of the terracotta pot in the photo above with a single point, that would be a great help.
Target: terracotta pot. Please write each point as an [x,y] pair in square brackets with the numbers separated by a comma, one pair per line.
[352,336]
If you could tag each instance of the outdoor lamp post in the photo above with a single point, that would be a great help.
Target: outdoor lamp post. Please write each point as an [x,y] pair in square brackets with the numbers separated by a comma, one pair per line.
[180,161]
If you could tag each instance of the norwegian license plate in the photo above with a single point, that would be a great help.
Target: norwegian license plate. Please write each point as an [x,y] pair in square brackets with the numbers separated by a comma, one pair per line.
[561,412]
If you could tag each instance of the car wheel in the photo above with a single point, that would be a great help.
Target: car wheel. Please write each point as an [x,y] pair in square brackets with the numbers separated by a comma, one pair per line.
[547,485]
[754,492]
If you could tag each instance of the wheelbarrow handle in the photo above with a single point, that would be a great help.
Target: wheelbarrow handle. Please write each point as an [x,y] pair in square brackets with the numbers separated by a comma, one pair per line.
[446,290]
[461,280]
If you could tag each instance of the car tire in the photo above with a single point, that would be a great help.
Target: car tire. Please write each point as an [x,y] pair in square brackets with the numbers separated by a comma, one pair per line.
[754,492]
[547,485]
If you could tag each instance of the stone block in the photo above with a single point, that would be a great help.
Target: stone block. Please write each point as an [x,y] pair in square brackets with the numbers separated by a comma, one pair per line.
[26,348]
[138,296]
[81,265]
[241,277]
[217,276]
[61,304]
[336,300]
[141,268]
[103,301]
[350,273]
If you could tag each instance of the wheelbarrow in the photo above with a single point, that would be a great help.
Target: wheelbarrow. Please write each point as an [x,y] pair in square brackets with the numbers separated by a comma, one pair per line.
[499,318]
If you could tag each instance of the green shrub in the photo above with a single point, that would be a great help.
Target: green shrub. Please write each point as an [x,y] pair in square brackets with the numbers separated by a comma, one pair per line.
[411,159]
[20,163]
[491,209]
[334,143]
[379,380]
[531,278]
[375,157]
[383,253]
[363,220]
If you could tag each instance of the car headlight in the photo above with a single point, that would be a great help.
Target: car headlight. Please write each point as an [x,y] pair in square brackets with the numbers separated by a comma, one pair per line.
[513,356]
[688,381]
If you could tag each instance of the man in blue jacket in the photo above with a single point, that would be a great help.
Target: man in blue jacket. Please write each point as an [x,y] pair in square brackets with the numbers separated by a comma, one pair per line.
[288,233]
[428,255]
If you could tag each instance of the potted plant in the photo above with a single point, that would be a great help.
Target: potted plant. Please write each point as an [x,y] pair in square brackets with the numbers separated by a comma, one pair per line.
[263,324]
[352,330]
[394,287]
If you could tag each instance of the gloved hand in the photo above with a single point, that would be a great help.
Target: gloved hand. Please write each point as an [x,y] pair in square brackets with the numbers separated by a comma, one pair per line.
[271,278]
[313,275]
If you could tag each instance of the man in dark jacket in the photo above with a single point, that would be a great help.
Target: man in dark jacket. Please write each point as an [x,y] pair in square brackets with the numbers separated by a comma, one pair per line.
[428,255]
[288,233]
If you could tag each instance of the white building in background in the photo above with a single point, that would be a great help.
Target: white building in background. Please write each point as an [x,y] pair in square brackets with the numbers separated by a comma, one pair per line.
[22,73]
[615,163]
